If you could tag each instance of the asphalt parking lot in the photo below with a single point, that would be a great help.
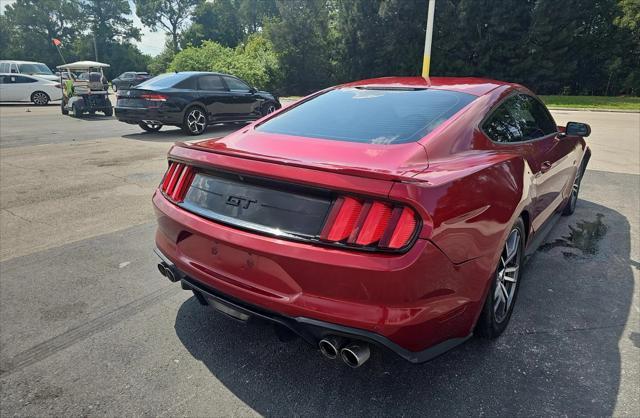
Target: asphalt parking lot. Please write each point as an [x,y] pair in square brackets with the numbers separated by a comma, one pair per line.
[89,327]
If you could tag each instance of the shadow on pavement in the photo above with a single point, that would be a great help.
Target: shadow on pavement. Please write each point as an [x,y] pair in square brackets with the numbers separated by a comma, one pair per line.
[559,355]
[172,133]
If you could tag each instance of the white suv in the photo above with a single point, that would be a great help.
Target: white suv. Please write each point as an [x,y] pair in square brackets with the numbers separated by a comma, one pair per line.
[29,68]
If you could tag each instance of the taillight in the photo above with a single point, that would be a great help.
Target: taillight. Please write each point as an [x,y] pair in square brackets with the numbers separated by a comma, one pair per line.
[153,97]
[177,180]
[368,223]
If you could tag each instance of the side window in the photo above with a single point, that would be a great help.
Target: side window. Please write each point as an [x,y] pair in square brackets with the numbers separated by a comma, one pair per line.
[23,79]
[14,69]
[519,118]
[210,82]
[543,120]
[501,125]
[187,83]
[236,85]
[4,67]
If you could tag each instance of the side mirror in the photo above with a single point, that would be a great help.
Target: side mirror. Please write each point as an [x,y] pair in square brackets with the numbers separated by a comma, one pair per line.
[577,128]
[253,90]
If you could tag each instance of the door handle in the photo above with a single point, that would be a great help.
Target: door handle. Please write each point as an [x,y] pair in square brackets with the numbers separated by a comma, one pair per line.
[545,166]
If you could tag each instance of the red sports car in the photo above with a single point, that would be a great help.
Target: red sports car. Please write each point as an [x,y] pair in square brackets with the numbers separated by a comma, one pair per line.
[391,212]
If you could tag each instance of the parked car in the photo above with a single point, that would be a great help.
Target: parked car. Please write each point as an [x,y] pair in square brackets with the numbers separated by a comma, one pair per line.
[28,68]
[24,88]
[129,79]
[192,100]
[394,212]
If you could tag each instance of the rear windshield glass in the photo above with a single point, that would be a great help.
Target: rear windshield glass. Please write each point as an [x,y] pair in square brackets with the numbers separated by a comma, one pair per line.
[164,81]
[377,116]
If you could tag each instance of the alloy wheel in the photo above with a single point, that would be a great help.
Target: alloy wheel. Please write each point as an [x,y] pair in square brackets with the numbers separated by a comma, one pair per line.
[40,98]
[196,121]
[270,109]
[507,276]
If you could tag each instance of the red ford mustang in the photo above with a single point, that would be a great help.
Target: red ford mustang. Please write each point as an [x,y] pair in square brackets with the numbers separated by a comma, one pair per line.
[392,212]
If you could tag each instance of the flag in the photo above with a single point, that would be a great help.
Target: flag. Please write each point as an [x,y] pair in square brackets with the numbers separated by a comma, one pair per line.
[56,42]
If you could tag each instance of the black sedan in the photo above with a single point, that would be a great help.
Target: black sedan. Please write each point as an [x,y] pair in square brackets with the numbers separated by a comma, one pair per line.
[129,79]
[192,100]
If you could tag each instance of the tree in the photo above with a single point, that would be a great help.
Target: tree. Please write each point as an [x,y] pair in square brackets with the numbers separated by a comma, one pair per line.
[217,21]
[32,24]
[170,15]
[300,37]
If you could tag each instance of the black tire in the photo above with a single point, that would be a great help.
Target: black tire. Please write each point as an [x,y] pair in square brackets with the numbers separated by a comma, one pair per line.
[495,313]
[74,111]
[194,121]
[40,98]
[63,109]
[570,206]
[268,107]
[108,111]
[150,128]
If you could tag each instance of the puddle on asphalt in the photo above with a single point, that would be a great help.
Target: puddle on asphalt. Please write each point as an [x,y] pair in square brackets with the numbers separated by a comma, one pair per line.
[585,236]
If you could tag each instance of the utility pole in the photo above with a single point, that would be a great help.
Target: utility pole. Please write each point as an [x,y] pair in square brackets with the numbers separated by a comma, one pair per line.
[426,59]
[95,48]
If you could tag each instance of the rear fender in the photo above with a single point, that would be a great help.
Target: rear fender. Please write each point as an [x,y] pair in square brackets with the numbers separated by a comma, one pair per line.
[472,200]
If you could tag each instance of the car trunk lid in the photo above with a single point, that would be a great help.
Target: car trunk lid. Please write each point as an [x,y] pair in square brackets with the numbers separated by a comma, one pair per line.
[379,161]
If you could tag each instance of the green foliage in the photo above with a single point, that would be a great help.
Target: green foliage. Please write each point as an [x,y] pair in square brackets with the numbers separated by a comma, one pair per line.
[593,102]
[218,21]
[254,61]
[160,63]
[300,37]
[168,15]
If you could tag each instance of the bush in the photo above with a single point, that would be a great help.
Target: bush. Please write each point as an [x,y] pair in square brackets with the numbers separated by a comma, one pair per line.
[254,61]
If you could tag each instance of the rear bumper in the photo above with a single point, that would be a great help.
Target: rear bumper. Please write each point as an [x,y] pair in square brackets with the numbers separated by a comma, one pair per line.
[309,329]
[137,115]
[417,304]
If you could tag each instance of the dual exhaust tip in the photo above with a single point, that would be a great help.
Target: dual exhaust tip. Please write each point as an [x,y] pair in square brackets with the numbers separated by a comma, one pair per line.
[353,353]
[167,272]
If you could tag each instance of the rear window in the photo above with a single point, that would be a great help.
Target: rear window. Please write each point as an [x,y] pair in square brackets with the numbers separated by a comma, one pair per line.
[369,115]
[164,81]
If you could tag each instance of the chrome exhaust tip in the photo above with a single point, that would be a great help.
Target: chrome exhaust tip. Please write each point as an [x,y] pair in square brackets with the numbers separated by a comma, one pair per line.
[330,346]
[170,275]
[355,354]
[162,269]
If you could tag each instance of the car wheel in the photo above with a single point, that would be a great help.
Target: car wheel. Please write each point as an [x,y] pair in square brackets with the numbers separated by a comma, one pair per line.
[499,303]
[268,107]
[150,127]
[63,109]
[108,111]
[74,111]
[570,207]
[40,98]
[195,121]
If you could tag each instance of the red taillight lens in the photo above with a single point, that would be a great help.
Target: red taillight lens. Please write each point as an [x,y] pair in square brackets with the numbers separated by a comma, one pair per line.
[404,229]
[342,219]
[177,180]
[360,223]
[152,97]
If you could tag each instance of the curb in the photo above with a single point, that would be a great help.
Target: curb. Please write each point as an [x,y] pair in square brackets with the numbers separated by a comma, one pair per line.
[577,109]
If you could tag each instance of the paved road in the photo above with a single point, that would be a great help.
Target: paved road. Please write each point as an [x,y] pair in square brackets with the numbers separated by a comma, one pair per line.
[88,327]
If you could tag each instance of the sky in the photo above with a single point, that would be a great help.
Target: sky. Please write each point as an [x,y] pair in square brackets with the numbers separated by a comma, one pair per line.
[151,43]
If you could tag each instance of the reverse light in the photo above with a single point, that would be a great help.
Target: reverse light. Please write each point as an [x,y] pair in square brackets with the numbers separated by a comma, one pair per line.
[369,223]
[177,180]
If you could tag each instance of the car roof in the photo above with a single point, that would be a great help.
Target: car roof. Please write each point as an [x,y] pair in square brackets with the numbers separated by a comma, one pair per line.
[470,85]
[21,62]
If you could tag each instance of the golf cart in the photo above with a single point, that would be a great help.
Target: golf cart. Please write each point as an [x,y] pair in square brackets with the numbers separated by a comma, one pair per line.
[84,88]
